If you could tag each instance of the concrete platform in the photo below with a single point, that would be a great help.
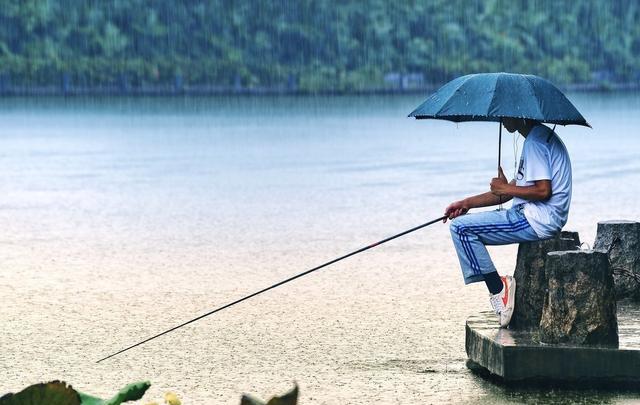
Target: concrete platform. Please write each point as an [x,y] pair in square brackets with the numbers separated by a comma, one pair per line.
[517,357]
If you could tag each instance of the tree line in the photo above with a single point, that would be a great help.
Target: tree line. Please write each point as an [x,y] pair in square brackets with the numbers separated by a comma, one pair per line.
[313,45]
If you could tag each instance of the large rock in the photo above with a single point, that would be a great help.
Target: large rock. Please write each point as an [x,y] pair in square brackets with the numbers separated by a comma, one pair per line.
[580,307]
[621,239]
[531,282]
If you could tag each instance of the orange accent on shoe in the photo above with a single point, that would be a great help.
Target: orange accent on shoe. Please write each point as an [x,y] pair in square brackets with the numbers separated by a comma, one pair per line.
[505,297]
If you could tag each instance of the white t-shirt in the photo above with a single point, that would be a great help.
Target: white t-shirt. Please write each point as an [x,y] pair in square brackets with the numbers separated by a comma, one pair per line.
[544,157]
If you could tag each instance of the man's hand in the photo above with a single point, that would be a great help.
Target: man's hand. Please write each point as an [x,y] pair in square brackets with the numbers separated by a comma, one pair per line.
[455,209]
[498,184]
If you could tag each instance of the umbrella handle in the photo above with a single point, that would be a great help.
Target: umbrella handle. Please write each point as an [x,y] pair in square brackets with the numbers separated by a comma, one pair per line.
[499,145]
[499,156]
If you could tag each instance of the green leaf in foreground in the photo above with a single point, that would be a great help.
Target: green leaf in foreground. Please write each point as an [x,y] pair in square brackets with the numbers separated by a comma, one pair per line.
[51,393]
[131,392]
[59,393]
[290,398]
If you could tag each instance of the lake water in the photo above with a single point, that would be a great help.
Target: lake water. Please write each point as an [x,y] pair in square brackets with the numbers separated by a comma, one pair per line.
[124,217]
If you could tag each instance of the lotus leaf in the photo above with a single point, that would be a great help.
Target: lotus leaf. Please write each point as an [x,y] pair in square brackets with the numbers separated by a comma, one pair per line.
[131,392]
[59,393]
[51,393]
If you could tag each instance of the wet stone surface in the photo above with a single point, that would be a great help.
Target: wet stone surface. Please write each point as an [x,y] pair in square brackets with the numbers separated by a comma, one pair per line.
[519,357]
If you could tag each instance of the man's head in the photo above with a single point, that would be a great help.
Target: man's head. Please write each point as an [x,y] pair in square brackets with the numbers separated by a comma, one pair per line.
[522,125]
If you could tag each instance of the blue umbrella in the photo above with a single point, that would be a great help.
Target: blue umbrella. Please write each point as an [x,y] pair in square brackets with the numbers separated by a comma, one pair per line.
[494,96]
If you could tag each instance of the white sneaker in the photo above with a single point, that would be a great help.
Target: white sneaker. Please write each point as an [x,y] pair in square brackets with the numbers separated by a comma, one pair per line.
[504,302]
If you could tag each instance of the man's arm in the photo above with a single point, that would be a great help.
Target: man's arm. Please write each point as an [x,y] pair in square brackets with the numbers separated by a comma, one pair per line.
[487,199]
[541,189]
[501,192]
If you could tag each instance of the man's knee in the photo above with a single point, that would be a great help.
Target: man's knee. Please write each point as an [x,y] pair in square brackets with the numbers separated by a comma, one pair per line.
[456,226]
[462,226]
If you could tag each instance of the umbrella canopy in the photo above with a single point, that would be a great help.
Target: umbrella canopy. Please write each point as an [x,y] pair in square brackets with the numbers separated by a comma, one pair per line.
[493,96]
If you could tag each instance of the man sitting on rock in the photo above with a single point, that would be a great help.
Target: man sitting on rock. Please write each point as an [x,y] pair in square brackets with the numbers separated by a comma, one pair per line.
[541,196]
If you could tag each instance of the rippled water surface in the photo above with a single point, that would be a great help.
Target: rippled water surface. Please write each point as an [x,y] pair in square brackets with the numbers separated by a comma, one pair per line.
[120,218]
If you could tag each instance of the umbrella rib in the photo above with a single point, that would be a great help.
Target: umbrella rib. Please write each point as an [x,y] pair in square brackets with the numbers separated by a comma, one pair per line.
[493,96]
[533,93]
[451,98]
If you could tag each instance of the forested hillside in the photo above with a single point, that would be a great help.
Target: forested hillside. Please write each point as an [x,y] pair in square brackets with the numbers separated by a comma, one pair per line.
[312,45]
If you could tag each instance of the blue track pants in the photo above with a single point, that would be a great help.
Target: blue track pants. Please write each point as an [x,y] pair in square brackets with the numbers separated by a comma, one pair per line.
[471,234]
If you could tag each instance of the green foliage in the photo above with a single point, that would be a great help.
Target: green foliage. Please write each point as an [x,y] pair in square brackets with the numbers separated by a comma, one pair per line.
[59,393]
[131,392]
[290,398]
[51,393]
[317,44]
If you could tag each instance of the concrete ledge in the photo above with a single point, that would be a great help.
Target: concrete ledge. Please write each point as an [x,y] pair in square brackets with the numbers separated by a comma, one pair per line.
[517,357]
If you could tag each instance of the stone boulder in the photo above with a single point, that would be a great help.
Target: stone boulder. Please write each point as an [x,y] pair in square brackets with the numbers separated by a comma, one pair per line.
[531,282]
[580,307]
[621,240]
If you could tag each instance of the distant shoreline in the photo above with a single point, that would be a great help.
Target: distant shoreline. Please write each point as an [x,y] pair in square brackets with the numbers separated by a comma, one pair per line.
[209,90]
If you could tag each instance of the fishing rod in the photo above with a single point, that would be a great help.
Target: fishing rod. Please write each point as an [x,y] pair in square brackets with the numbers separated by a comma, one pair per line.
[279,284]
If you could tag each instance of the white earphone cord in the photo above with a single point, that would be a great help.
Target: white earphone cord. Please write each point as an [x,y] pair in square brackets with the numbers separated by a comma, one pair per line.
[516,138]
